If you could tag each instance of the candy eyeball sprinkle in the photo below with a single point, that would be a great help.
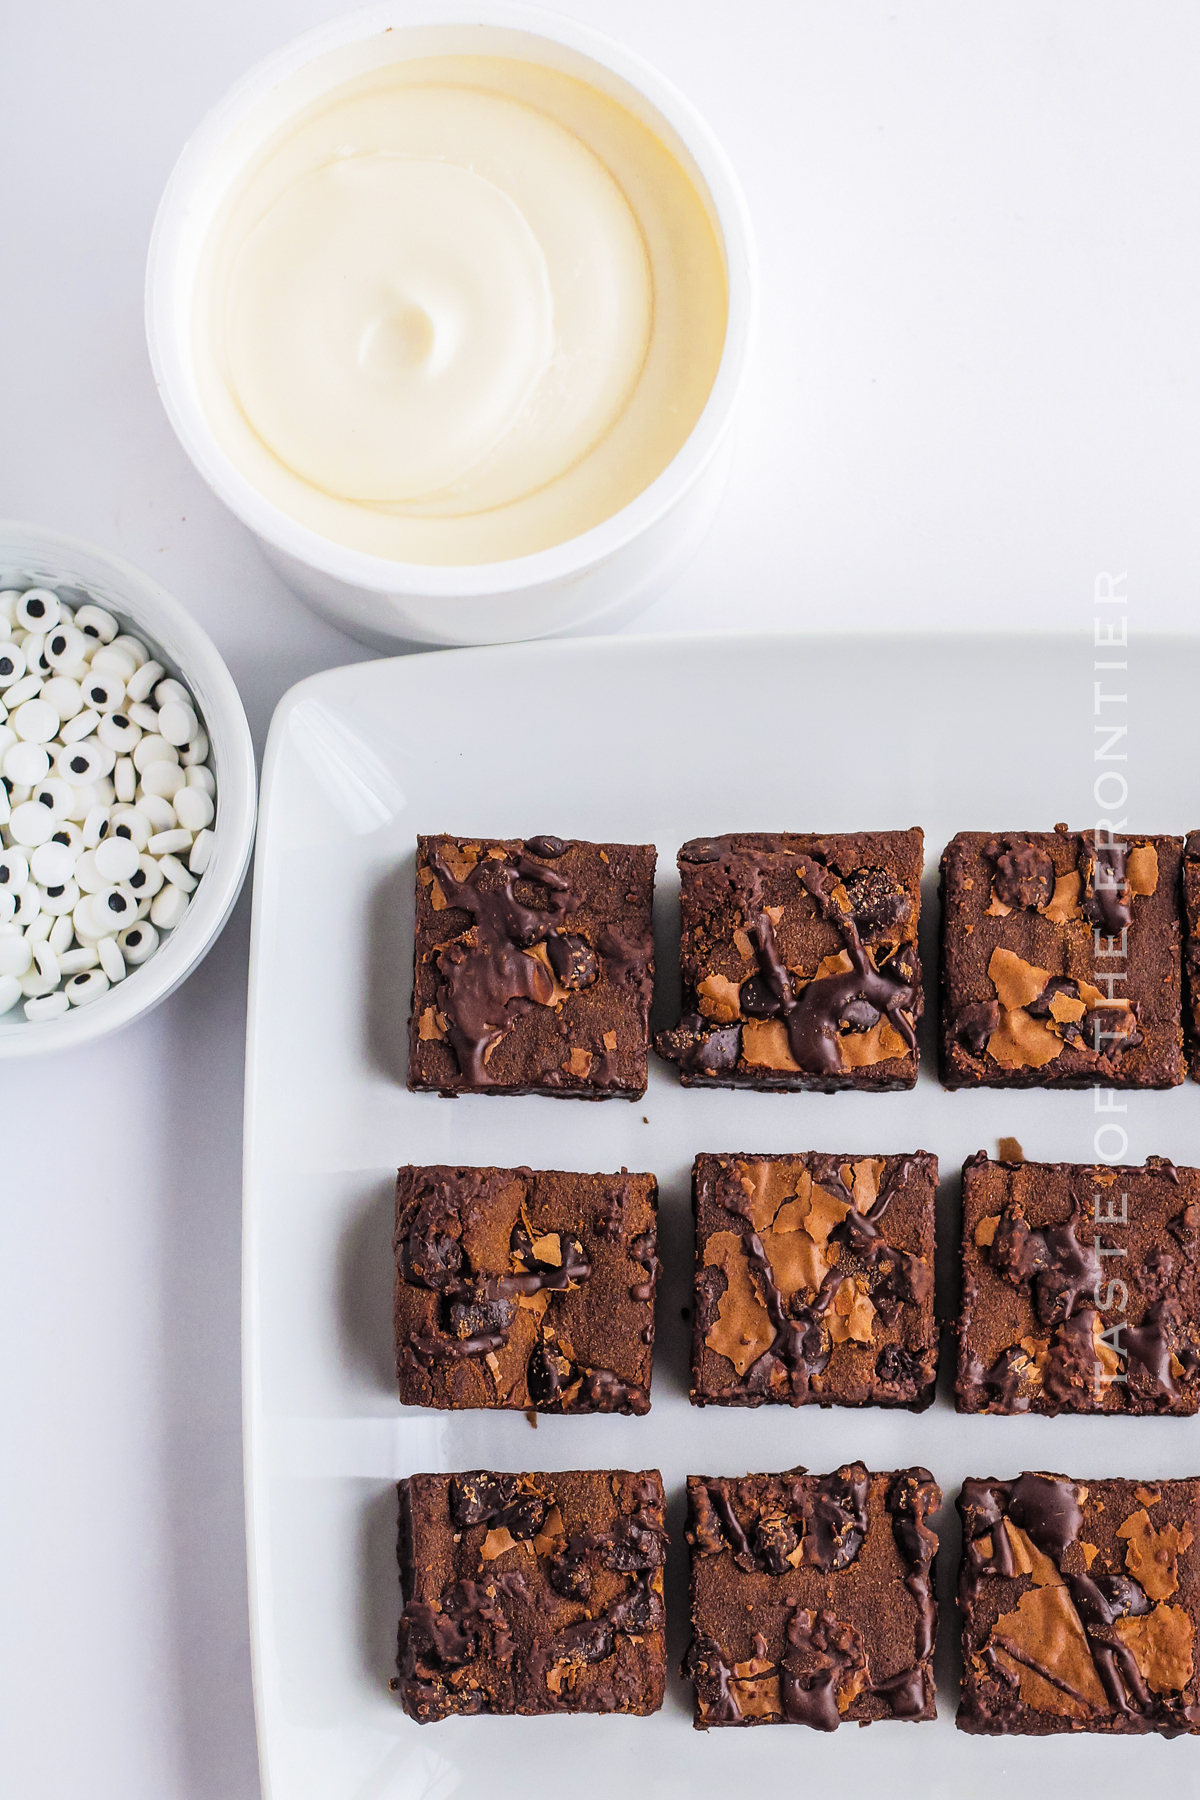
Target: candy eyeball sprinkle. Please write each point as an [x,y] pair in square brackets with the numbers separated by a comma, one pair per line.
[108,803]
[38,609]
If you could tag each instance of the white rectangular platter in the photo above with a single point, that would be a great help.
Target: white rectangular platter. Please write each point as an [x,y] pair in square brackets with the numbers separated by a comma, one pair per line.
[634,740]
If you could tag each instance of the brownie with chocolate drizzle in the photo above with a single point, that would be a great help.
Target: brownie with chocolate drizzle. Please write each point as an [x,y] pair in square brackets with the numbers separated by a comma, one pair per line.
[1080,1288]
[1061,960]
[799,961]
[814,1280]
[813,1597]
[519,1288]
[533,967]
[531,1593]
[1079,1603]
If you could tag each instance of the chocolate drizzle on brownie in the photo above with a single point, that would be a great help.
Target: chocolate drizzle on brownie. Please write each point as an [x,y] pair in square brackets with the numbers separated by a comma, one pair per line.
[1148,1347]
[489,981]
[823,1657]
[904,1279]
[824,1514]
[914,1495]
[532,1273]
[440,1211]
[478,1309]
[533,967]
[835,1519]
[483,1498]
[807,1533]
[537,1614]
[1106,885]
[1060,960]
[1051,1657]
[1109,1325]
[802,1346]
[872,917]
[829,1001]
[1060,1269]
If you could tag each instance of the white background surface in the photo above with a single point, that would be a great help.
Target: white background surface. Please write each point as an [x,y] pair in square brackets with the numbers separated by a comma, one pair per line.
[976,387]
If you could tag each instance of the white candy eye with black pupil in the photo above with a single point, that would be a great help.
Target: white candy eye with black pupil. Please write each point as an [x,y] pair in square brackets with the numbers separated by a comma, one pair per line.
[84,762]
[38,609]
[82,989]
[116,730]
[104,692]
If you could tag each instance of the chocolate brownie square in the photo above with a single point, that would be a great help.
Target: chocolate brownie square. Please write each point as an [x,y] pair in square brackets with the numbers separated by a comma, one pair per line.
[533,967]
[799,961]
[1079,1602]
[1191,949]
[1079,1288]
[814,1280]
[531,1593]
[525,1288]
[813,1597]
[1060,960]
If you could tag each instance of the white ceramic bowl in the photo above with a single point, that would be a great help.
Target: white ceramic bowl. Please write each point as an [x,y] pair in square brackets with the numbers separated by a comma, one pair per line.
[32,557]
[603,574]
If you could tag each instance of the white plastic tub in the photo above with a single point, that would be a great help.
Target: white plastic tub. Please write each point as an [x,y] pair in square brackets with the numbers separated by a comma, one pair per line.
[606,573]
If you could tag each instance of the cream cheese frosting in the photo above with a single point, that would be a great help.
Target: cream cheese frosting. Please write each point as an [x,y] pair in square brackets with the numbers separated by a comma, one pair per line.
[458,309]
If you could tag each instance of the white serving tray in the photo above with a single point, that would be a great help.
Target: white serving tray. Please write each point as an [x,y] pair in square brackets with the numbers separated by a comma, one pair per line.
[635,740]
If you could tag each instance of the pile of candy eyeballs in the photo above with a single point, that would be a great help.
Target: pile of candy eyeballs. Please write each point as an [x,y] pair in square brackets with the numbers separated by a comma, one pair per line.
[106,802]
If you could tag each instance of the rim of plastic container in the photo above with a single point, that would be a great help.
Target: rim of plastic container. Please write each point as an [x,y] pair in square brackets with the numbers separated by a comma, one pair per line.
[169,347]
[35,555]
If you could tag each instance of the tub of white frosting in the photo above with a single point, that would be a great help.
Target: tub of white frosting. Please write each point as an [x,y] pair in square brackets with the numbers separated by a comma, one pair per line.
[453,313]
